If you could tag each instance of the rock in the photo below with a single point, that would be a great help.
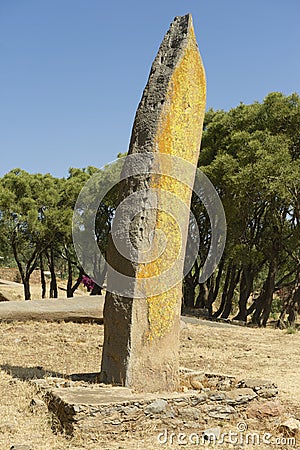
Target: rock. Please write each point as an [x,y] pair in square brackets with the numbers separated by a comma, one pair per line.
[78,309]
[219,376]
[182,401]
[141,338]
[77,408]
[240,323]
[212,383]
[267,392]
[221,411]
[20,447]
[216,396]
[290,427]
[190,413]
[224,385]
[194,379]
[238,396]
[211,434]
[156,407]
[196,384]
[169,414]
[268,409]
[130,409]
[8,295]
[199,399]
[263,388]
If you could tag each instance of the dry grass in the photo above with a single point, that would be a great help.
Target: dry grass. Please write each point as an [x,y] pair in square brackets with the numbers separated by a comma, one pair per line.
[31,349]
[15,292]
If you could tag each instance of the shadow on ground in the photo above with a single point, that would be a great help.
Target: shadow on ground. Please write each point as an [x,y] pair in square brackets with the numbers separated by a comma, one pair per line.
[38,372]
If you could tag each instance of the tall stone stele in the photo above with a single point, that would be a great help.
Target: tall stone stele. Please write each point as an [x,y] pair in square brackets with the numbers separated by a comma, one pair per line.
[141,335]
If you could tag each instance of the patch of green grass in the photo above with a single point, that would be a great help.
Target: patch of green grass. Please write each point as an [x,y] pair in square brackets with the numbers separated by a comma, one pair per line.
[291,330]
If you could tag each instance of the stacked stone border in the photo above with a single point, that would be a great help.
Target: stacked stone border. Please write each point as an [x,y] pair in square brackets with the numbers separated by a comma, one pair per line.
[98,409]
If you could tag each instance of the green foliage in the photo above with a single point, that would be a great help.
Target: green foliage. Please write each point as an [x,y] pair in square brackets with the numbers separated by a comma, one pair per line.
[252,156]
[291,330]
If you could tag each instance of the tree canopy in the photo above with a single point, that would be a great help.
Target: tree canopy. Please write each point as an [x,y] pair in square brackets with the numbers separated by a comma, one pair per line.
[252,155]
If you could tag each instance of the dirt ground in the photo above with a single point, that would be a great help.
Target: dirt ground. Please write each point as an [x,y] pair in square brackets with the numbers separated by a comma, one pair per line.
[66,348]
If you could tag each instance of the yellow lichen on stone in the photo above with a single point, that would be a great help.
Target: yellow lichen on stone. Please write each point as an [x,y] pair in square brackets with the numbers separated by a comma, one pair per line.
[179,134]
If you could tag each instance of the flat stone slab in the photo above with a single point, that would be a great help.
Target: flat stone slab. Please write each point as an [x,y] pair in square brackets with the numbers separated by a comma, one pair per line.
[81,309]
[85,308]
[100,395]
[98,409]
[7,283]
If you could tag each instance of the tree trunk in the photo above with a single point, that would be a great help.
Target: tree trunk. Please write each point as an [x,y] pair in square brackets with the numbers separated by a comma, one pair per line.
[234,279]
[218,279]
[189,292]
[224,293]
[294,306]
[202,297]
[53,282]
[269,292]
[78,281]
[97,290]
[264,301]
[246,287]
[24,277]
[189,285]
[259,304]
[214,289]
[43,280]
[70,279]
[26,284]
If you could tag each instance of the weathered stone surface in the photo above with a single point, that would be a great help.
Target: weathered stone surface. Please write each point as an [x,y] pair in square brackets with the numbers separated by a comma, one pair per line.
[207,382]
[216,396]
[238,396]
[290,427]
[221,412]
[225,385]
[20,447]
[259,410]
[156,407]
[81,309]
[9,290]
[196,384]
[199,399]
[211,434]
[141,339]
[263,388]
[190,413]
[97,408]
[268,392]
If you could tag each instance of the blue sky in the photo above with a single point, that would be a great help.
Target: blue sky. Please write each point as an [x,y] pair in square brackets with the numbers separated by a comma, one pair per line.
[72,71]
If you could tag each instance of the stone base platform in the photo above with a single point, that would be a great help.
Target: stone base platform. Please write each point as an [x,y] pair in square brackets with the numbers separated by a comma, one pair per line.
[95,409]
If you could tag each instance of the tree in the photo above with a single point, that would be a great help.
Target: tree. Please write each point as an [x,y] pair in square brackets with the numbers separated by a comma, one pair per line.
[251,154]
[21,208]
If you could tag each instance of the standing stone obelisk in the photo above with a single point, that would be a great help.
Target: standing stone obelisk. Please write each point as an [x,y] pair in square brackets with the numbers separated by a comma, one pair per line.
[141,335]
